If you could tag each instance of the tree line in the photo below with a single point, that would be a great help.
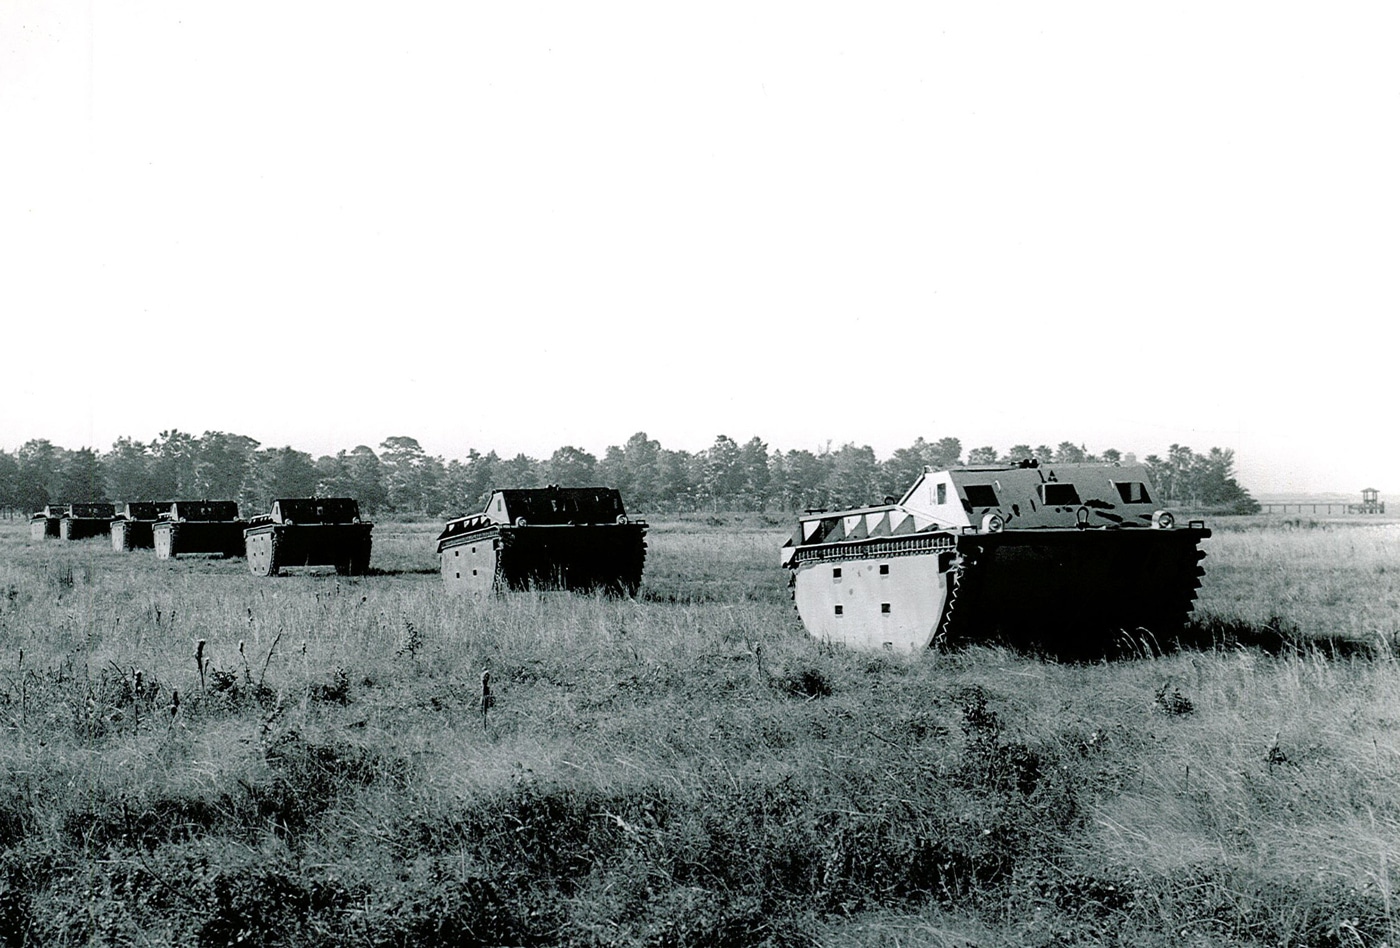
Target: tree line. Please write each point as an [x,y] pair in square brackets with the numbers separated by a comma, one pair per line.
[401,478]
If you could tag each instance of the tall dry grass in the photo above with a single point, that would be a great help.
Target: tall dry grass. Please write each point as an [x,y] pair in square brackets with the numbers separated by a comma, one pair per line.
[684,768]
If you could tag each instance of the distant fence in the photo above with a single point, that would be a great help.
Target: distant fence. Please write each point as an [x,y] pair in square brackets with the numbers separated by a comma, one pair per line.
[1325,506]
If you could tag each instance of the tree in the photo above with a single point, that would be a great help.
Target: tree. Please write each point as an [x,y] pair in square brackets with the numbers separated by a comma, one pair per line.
[221,463]
[413,479]
[1208,480]
[1173,476]
[777,479]
[853,479]
[127,467]
[469,482]
[9,481]
[81,477]
[1216,484]
[902,468]
[280,472]
[753,462]
[1196,480]
[37,479]
[173,466]
[521,471]
[612,471]
[803,485]
[1069,453]
[642,457]
[1157,472]
[724,472]
[572,467]
[332,476]
[679,482]
[365,478]
[944,453]
[984,455]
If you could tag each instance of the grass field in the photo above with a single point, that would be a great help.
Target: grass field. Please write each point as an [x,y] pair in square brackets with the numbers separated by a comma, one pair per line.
[689,767]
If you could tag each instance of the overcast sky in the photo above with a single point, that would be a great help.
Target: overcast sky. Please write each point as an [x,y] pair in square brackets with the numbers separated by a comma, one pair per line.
[517,226]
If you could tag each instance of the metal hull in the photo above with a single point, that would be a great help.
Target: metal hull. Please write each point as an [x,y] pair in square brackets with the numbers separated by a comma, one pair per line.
[1074,591]
[44,528]
[82,528]
[580,558]
[874,600]
[1070,592]
[172,538]
[132,535]
[272,547]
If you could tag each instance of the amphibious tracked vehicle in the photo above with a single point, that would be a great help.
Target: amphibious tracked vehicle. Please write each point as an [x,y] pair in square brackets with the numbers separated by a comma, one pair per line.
[132,526]
[43,525]
[1065,557]
[199,526]
[311,531]
[573,538]
[86,520]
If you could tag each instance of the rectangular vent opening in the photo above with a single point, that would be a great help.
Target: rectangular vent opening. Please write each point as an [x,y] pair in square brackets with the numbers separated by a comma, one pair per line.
[1057,494]
[1133,492]
[981,495]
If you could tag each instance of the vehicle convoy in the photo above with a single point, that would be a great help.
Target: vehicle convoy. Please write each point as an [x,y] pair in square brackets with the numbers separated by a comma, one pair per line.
[573,538]
[199,526]
[1065,557]
[311,531]
[132,526]
[82,521]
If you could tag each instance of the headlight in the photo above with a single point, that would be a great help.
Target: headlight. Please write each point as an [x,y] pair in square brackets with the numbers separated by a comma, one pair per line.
[992,523]
[1163,520]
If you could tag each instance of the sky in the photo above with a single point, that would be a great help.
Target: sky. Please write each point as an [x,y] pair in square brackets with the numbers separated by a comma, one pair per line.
[520,226]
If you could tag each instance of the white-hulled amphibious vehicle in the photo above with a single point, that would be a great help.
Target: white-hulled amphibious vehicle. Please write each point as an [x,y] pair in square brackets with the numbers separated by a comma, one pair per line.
[1065,556]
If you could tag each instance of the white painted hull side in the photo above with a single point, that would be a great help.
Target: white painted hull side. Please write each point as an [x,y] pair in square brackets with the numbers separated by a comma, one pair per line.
[873,604]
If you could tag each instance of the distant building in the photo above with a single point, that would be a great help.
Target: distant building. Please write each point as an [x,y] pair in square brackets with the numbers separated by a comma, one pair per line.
[1370,503]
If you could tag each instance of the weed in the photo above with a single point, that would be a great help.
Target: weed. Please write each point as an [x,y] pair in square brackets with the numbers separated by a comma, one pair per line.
[989,763]
[700,918]
[440,906]
[412,641]
[335,690]
[977,717]
[806,683]
[1170,700]
[269,904]
[16,913]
